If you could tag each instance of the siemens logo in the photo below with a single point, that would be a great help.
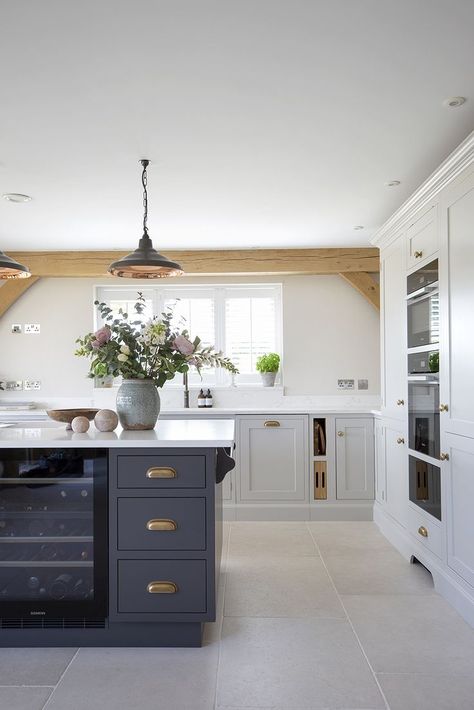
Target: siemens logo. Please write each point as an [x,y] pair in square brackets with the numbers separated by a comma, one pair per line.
[37,613]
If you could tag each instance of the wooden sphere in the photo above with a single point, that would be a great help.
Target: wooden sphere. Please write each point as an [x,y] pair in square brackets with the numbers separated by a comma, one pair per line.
[80,425]
[106,420]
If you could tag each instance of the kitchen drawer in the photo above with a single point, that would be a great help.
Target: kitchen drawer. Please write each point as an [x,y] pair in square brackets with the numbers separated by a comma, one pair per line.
[185,580]
[157,471]
[422,238]
[433,539]
[161,523]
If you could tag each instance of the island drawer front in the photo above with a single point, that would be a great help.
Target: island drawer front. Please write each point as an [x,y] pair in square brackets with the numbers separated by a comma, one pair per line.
[135,578]
[155,471]
[161,523]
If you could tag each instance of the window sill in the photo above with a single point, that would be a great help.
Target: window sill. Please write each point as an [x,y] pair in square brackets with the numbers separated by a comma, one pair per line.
[227,388]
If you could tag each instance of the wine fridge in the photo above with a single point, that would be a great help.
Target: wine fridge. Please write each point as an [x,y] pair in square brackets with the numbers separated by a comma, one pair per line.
[53,534]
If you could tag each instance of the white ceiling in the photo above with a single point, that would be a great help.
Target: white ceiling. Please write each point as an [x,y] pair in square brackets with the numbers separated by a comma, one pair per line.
[269,122]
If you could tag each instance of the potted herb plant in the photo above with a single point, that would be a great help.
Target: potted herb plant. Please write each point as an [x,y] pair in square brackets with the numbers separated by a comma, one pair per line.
[145,355]
[268,366]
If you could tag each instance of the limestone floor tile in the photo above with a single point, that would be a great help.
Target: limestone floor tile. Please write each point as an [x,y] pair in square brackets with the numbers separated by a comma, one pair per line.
[428,692]
[33,666]
[412,633]
[271,539]
[23,698]
[266,587]
[348,536]
[126,678]
[293,663]
[376,572]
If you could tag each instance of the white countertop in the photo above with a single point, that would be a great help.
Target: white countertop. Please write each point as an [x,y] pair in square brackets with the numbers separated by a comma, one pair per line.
[169,433]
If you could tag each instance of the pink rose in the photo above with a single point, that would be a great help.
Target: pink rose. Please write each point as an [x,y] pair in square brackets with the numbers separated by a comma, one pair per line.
[102,336]
[183,345]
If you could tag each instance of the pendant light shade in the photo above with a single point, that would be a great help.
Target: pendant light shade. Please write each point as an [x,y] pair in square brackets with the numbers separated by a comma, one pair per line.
[11,269]
[145,262]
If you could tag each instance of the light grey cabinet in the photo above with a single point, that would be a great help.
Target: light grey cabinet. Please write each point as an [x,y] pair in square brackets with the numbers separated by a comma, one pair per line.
[272,458]
[355,458]
[380,482]
[459,471]
[396,473]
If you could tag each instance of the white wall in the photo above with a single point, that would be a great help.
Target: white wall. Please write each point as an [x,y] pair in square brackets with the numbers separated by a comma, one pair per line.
[329,331]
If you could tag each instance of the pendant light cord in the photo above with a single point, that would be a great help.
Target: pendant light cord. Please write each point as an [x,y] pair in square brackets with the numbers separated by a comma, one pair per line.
[145,164]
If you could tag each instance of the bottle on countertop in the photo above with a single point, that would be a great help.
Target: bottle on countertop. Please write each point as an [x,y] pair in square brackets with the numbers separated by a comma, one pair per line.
[209,400]
[201,400]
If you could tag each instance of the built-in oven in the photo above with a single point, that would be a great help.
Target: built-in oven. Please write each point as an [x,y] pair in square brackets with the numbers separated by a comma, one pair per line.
[423,403]
[53,534]
[425,486]
[423,306]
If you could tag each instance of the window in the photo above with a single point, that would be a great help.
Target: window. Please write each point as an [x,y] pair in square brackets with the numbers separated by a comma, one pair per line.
[242,321]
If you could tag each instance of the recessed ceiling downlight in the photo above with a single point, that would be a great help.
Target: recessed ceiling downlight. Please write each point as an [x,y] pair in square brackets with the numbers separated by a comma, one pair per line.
[16,197]
[392,183]
[454,101]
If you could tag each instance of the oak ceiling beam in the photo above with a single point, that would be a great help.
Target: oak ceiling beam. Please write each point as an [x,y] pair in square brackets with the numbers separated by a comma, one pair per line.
[365,285]
[236,262]
[12,289]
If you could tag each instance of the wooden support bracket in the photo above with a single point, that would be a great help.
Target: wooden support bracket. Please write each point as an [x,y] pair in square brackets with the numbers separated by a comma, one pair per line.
[12,289]
[365,285]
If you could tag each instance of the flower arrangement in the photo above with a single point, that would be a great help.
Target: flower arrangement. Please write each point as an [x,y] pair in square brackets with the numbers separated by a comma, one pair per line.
[154,350]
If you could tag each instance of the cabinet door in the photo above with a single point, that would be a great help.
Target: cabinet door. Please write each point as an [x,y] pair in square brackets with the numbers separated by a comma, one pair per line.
[228,488]
[459,473]
[394,336]
[396,473]
[457,308]
[355,459]
[379,440]
[422,238]
[273,459]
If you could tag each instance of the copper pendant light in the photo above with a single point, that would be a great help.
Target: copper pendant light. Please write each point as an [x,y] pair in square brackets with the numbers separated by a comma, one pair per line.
[145,262]
[11,269]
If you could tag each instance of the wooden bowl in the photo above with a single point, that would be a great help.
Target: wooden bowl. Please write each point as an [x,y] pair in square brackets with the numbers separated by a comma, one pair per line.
[67,415]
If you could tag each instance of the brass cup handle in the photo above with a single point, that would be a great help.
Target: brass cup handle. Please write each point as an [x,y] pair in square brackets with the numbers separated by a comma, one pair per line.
[161,472]
[271,423]
[418,254]
[443,408]
[340,433]
[162,588]
[400,402]
[444,457]
[160,524]
[400,440]
[423,531]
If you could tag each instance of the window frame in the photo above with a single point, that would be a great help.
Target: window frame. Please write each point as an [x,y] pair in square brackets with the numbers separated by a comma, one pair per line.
[219,292]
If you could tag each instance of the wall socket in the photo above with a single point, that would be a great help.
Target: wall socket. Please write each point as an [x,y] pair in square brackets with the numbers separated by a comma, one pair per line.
[32,328]
[14,385]
[362,384]
[16,327]
[32,384]
[345,384]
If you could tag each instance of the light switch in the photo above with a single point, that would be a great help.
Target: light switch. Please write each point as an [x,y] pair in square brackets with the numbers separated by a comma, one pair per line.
[16,327]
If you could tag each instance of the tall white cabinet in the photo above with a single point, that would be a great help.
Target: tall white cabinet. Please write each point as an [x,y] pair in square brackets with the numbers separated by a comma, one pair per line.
[437,222]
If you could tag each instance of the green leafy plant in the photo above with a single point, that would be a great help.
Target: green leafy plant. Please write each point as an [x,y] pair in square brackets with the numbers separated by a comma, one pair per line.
[433,362]
[270,362]
[155,350]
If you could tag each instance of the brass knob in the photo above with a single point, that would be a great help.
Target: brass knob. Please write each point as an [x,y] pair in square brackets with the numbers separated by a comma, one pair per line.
[161,472]
[443,408]
[444,457]
[157,525]
[400,402]
[400,440]
[418,254]
[340,433]
[271,422]
[162,588]
[423,531]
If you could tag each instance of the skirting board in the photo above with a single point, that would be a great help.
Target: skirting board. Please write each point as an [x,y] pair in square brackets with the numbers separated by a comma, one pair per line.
[446,582]
[340,510]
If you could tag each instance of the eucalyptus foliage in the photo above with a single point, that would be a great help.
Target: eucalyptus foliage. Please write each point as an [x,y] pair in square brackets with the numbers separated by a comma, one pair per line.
[155,350]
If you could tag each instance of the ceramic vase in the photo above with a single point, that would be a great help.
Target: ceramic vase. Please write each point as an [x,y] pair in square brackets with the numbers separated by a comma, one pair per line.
[138,404]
